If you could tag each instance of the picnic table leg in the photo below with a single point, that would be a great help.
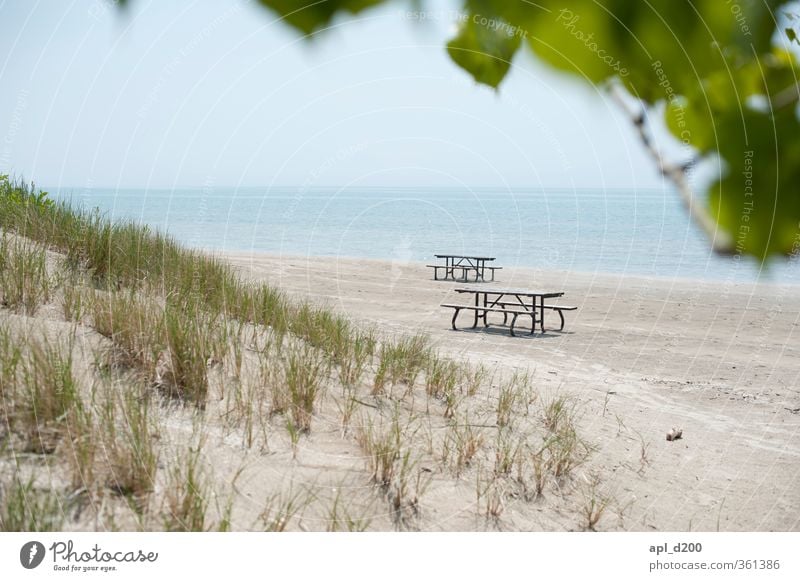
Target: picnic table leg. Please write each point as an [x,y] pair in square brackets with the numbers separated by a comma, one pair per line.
[541,313]
[477,303]
[533,315]
[453,322]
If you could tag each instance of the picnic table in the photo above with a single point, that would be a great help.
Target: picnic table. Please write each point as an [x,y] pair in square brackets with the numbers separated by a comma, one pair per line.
[509,302]
[464,265]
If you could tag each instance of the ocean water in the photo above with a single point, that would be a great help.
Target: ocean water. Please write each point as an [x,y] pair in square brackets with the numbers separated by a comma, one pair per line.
[605,231]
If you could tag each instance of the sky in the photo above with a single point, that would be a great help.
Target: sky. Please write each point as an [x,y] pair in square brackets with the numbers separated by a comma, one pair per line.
[212,92]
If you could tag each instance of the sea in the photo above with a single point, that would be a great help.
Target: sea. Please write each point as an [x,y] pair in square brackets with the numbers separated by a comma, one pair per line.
[629,232]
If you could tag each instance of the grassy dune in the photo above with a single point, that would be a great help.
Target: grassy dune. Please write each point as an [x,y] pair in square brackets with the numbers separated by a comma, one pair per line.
[146,386]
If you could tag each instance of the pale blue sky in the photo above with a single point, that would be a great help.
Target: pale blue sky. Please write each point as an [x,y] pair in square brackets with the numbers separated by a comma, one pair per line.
[215,92]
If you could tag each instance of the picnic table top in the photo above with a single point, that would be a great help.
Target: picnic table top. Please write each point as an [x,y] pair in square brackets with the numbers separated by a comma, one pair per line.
[517,292]
[464,256]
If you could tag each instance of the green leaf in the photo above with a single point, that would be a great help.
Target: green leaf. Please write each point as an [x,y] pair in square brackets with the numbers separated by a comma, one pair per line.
[757,200]
[308,16]
[484,47]
[688,121]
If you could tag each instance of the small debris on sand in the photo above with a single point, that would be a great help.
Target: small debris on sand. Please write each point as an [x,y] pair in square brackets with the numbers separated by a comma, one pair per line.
[674,434]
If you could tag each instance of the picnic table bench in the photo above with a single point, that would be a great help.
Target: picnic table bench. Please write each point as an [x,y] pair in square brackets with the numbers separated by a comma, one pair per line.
[463,265]
[509,302]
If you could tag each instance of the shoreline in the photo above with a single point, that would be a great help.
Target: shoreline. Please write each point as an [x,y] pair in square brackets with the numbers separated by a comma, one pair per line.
[578,275]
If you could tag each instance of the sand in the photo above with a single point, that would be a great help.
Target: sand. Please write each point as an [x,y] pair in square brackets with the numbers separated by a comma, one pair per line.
[641,355]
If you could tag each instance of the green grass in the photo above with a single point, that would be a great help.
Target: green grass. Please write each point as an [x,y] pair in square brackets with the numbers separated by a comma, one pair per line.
[128,434]
[280,509]
[595,502]
[259,305]
[117,255]
[271,375]
[10,355]
[340,517]
[25,508]
[441,377]
[170,345]
[187,495]
[191,340]
[47,396]
[81,448]
[461,444]
[247,411]
[347,347]
[565,451]
[474,377]
[134,325]
[401,361]
[73,296]
[506,452]
[563,448]
[24,282]
[392,461]
[294,378]
[506,402]
[382,447]
[353,360]
[515,396]
[557,414]
[304,370]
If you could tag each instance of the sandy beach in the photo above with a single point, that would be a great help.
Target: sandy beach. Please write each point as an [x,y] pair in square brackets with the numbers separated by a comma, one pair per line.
[641,355]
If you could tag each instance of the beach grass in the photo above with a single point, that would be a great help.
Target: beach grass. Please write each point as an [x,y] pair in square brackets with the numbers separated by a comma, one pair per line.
[128,434]
[281,508]
[24,281]
[402,361]
[461,445]
[47,396]
[303,371]
[24,507]
[187,492]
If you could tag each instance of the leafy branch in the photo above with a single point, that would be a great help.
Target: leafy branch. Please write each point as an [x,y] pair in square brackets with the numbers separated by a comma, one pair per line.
[675,173]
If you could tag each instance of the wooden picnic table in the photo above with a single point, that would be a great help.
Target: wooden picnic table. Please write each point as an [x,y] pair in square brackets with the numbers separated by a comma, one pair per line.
[466,264]
[513,302]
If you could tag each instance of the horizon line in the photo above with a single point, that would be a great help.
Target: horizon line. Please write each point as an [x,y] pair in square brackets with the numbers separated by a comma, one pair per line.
[345,187]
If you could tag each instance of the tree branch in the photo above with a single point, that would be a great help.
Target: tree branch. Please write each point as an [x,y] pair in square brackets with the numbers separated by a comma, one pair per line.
[789,96]
[676,173]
